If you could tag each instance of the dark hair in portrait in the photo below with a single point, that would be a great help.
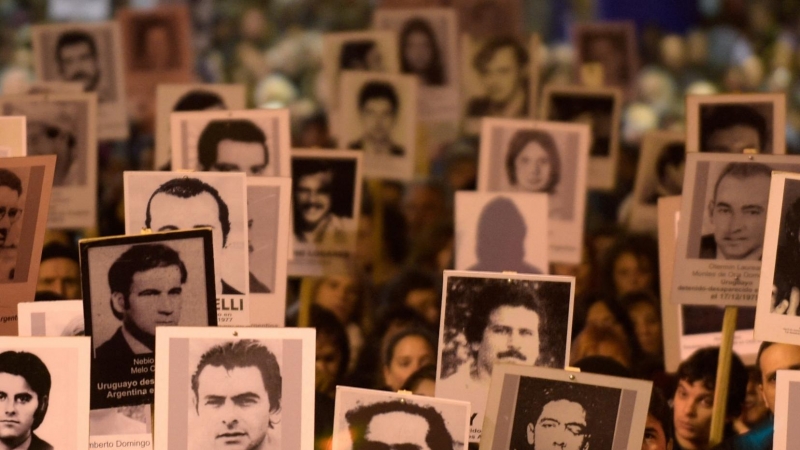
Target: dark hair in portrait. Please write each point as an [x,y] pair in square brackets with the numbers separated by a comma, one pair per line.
[520,140]
[673,154]
[714,118]
[198,100]
[140,258]
[342,187]
[141,27]
[599,403]
[237,130]
[566,107]
[74,37]
[35,372]
[241,354]
[487,52]
[433,74]
[10,180]
[353,55]
[381,90]
[742,170]
[702,366]
[787,257]
[191,187]
[359,418]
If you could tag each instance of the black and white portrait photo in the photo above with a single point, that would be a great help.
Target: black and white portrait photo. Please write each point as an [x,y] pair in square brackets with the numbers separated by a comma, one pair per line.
[379,119]
[13,137]
[252,389]
[498,232]
[255,142]
[733,123]
[89,53]
[326,192]
[133,284]
[493,318]
[540,157]
[44,385]
[190,97]
[613,46]
[427,45]
[367,418]
[63,125]
[51,318]
[600,109]
[787,406]
[163,201]
[540,408]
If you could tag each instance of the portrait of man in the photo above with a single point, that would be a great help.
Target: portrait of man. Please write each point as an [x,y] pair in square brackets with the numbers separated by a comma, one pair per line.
[315,187]
[568,416]
[237,390]
[10,214]
[738,213]
[53,130]
[378,109]
[200,100]
[186,203]
[146,284]
[77,58]
[396,424]
[24,396]
[235,145]
[502,64]
[733,128]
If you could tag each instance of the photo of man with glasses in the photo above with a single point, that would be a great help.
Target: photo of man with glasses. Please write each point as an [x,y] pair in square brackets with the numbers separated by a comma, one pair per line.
[10,213]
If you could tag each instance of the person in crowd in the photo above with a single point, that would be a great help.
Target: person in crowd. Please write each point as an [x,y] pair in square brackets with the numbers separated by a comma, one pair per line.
[333,351]
[755,409]
[59,271]
[658,427]
[424,205]
[406,353]
[598,340]
[631,264]
[645,313]
[344,297]
[419,291]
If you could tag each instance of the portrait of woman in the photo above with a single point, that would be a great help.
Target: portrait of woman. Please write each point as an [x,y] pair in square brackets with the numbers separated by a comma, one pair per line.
[420,53]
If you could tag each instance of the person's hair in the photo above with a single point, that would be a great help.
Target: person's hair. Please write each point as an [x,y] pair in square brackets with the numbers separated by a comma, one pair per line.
[10,180]
[660,410]
[198,100]
[434,73]
[34,371]
[186,187]
[742,170]
[643,247]
[354,53]
[519,141]
[589,341]
[242,354]
[72,38]
[378,89]
[55,249]
[328,325]
[702,366]
[423,333]
[238,130]
[304,168]
[397,289]
[721,117]
[496,44]
[423,373]
[358,419]
[140,258]
[632,299]
[671,155]
[764,345]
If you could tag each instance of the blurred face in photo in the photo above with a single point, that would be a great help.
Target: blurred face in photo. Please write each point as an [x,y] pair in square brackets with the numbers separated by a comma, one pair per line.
[502,75]
[378,119]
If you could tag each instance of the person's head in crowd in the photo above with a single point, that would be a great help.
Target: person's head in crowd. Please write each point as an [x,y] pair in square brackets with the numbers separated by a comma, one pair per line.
[375,426]
[658,427]
[772,357]
[424,204]
[25,386]
[333,350]
[360,55]
[631,265]
[738,212]
[733,129]
[10,208]
[200,100]
[502,64]
[532,161]
[233,145]
[339,294]
[406,353]
[670,167]
[418,290]
[603,341]
[420,53]
[693,401]
[59,271]
[422,382]
[77,58]
[645,312]
[507,325]
[433,249]
[754,409]
[237,389]
[52,130]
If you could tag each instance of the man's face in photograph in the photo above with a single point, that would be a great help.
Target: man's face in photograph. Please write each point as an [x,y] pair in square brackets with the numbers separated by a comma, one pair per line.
[155,299]
[18,403]
[378,118]
[9,212]
[561,425]
[739,216]
[51,139]
[313,196]
[502,75]
[77,62]
[511,335]
[239,156]
[234,407]
[734,139]
[384,432]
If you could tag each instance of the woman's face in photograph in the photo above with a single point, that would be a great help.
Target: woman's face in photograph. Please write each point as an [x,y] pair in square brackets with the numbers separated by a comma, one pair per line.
[417,51]
[533,168]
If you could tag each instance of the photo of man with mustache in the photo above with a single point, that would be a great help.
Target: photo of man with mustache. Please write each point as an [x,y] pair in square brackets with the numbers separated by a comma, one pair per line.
[76,54]
[314,218]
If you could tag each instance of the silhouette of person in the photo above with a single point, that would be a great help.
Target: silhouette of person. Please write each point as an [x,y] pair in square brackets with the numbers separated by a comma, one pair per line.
[502,248]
